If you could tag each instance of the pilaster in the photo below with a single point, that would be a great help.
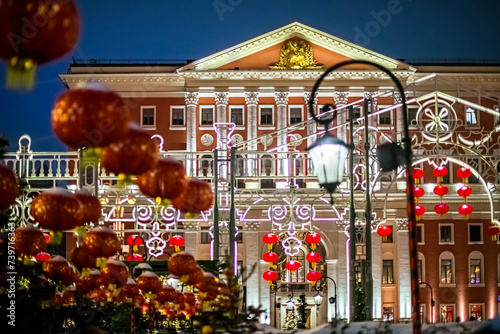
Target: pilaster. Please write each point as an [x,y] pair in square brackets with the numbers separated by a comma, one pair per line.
[281,99]
[191,99]
[252,100]
[404,275]
[340,99]
[343,276]
[311,124]
[252,245]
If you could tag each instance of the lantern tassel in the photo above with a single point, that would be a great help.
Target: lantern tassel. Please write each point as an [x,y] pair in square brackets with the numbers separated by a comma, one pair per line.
[466,217]
[417,217]
[135,248]
[177,248]
[20,74]
[313,265]
[313,246]
[417,199]
[270,247]
[416,181]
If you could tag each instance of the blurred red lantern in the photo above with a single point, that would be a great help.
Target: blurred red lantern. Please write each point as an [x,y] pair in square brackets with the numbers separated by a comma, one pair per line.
[28,28]
[439,172]
[313,257]
[313,276]
[57,209]
[149,283]
[90,117]
[91,206]
[292,265]
[134,154]
[270,276]
[197,197]
[384,231]
[464,173]
[115,272]
[181,264]
[208,284]
[134,240]
[440,190]
[81,259]
[9,190]
[417,173]
[222,288]
[419,211]
[101,242]
[134,257]
[270,238]
[47,238]
[493,231]
[29,240]
[465,210]
[464,191]
[441,209]
[166,180]
[189,298]
[419,192]
[59,270]
[42,256]
[313,238]
[270,257]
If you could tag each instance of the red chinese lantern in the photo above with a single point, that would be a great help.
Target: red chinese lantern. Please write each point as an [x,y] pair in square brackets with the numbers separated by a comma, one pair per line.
[222,288]
[42,256]
[419,192]
[9,190]
[464,191]
[101,242]
[270,276]
[35,32]
[439,172]
[419,211]
[134,257]
[189,298]
[384,231]
[441,209]
[167,180]
[293,265]
[493,231]
[181,264]
[177,241]
[208,285]
[313,239]
[417,175]
[29,240]
[440,190]
[313,257]
[149,283]
[270,239]
[196,198]
[134,240]
[90,117]
[465,210]
[57,210]
[313,276]
[55,267]
[81,259]
[115,273]
[91,206]
[134,154]
[464,173]
[270,257]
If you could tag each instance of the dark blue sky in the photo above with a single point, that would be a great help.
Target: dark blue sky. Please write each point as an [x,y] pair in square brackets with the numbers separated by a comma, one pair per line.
[128,29]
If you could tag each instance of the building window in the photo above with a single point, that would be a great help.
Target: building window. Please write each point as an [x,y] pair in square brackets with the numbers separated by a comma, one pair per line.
[387,272]
[207,115]
[476,312]
[177,116]
[295,115]
[385,117]
[412,115]
[239,237]
[421,267]
[475,271]
[446,271]
[388,313]
[236,115]
[475,233]
[148,116]
[206,238]
[447,313]
[420,233]
[356,113]
[388,239]
[474,163]
[266,116]
[471,116]
[445,233]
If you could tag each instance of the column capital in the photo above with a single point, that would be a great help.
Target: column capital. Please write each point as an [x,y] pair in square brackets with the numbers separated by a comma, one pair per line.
[221,98]
[369,95]
[396,97]
[281,98]
[307,97]
[252,98]
[340,98]
[191,98]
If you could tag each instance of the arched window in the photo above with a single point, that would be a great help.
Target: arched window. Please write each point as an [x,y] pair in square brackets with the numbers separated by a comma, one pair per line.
[446,268]
[476,272]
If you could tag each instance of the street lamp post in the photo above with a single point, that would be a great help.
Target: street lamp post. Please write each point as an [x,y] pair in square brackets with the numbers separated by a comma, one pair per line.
[289,303]
[432,301]
[331,300]
[326,154]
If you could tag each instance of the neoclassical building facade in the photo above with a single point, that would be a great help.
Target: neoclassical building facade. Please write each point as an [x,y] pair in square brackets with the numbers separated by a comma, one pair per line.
[240,120]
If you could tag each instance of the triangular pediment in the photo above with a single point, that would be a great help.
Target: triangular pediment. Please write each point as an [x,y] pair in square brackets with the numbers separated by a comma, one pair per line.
[264,52]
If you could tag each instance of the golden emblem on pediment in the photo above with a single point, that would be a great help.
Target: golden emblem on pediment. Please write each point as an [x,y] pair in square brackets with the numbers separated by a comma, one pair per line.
[296,55]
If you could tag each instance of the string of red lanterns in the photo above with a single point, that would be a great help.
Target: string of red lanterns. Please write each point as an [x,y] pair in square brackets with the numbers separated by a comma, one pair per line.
[313,239]
[465,191]
[419,192]
[270,276]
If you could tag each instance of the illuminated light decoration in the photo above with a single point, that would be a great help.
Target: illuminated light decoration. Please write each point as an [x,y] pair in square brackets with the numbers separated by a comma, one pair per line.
[465,210]
[440,190]
[493,231]
[270,257]
[270,239]
[42,256]
[417,175]
[134,257]
[419,211]
[313,276]
[384,231]
[439,172]
[464,173]
[464,191]
[293,265]
[441,209]
[313,258]
[134,240]
[270,276]
[177,241]
[418,192]
[313,239]
[47,238]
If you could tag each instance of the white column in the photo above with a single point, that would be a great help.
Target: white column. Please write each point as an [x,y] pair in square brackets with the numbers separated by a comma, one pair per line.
[252,245]
[331,272]
[191,99]
[221,100]
[311,124]
[377,275]
[343,276]
[396,98]
[404,276]
[252,100]
[281,99]
[340,99]
[191,237]
[372,122]
[264,299]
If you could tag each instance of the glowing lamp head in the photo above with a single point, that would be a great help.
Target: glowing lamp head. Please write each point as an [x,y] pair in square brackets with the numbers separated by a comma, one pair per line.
[318,298]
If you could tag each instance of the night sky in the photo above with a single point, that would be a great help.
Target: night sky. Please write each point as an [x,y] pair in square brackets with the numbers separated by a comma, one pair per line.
[179,30]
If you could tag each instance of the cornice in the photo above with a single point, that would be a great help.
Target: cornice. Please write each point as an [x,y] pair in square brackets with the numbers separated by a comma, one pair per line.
[125,78]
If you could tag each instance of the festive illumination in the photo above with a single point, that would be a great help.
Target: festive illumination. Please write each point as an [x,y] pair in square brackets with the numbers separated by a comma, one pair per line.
[270,276]
[134,240]
[384,231]
[9,189]
[134,257]
[419,211]
[417,174]
[419,192]
[464,191]
[440,190]
[42,256]
[439,172]
[313,239]
[293,265]
[270,239]
[441,209]
[270,257]
[177,241]
[465,210]
[313,276]
[313,257]
[493,231]
[464,173]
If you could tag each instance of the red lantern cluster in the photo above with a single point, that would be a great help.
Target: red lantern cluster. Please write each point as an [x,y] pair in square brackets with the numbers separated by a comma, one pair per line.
[313,239]
[464,173]
[270,276]
[418,192]
[270,239]
[441,209]
[313,258]
[9,190]
[493,231]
